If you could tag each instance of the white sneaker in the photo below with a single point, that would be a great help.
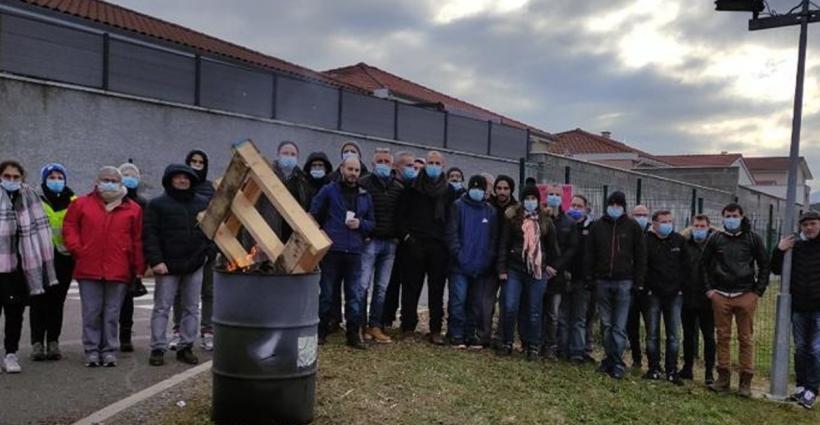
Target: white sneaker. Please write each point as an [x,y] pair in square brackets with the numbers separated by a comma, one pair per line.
[174,343]
[207,341]
[11,365]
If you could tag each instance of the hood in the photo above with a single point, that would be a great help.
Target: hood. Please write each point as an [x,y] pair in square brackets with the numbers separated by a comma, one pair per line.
[174,169]
[201,175]
[318,156]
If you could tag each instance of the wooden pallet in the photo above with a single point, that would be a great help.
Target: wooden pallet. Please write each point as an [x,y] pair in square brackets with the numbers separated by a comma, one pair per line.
[248,177]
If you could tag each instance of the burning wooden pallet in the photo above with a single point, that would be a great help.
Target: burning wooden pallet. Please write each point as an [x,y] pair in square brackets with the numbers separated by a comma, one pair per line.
[248,177]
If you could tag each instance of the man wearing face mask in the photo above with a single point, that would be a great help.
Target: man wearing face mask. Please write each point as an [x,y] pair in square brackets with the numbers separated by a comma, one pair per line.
[633,323]
[615,260]
[380,247]
[501,199]
[805,291]
[472,234]
[667,269]
[423,215]
[317,169]
[697,309]
[736,272]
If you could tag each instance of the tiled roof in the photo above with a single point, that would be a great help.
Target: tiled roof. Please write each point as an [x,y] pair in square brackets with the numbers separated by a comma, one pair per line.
[370,78]
[127,19]
[719,160]
[579,142]
[775,163]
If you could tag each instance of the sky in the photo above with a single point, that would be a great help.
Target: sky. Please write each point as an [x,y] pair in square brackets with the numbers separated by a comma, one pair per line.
[665,76]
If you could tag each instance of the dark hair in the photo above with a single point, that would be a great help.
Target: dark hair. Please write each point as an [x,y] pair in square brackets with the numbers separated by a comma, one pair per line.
[659,213]
[455,169]
[583,198]
[285,143]
[530,181]
[616,198]
[12,163]
[505,178]
[732,208]
[702,217]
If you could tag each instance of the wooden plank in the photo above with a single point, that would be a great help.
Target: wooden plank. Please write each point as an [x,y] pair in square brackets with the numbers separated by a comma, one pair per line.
[266,240]
[310,260]
[231,248]
[299,220]
[220,204]
[253,193]
[295,249]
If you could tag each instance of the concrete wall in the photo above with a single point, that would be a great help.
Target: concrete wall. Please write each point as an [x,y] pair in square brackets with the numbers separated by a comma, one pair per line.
[723,178]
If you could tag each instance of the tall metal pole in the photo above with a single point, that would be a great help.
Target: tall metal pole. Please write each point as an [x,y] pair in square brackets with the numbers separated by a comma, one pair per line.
[780,360]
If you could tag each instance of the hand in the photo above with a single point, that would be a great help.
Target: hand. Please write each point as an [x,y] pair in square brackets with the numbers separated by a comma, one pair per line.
[160,268]
[551,272]
[787,243]
[711,294]
[502,276]
[352,224]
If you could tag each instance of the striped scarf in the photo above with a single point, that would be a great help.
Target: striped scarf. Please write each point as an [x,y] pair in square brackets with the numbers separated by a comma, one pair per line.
[25,231]
[531,229]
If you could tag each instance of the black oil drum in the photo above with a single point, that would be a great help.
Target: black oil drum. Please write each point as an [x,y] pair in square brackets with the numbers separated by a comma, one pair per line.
[265,348]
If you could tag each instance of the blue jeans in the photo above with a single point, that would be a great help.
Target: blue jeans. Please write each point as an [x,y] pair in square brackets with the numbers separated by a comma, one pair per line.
[341,267]
[464,306]
[572,322]
[668,308]
[806,328]
[517,287]
[614,297]
[377,264]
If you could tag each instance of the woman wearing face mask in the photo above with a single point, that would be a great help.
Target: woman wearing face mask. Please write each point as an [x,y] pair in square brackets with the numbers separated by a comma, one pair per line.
[350,149]
[198,160]
[131,180]
[46,314]
[527,248]
[26,255]
[103,231]
[318,169]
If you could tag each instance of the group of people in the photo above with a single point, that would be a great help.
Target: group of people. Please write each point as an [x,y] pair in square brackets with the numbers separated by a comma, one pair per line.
[544,266]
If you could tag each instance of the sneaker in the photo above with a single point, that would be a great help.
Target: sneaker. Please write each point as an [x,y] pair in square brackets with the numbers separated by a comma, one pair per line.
[126,346]
[174,343]
[109,361]
[157,358]
[436,338]
[807,399]
[92,360]
[185,355]
[709,378]
[376,334]
[533,354]
[798,394]
[11,364]
[603,368]
[207,341]
[504,350]
[652,375]
[675,379]
[53,352]
[38,352]
[474,345]
[686,373]
[617,374]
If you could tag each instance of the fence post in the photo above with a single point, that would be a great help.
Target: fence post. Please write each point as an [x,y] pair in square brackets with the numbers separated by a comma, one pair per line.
[700,205]
[606,195]
[446,124]
[197,80]
[395,120]
[522,163]
[770,228]
[694,202]
[339,110]
[489,137]
[105,61]
[638,191]
[567,175]
[275,93]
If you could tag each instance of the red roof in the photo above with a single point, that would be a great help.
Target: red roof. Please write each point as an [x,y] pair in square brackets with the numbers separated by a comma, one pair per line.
[370,78]
[720,160]
[127,19]
[776,163]
[579,142]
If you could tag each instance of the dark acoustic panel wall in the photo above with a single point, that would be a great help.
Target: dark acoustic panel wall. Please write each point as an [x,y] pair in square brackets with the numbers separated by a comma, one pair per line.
[50,52]
[419,125]
[367,115]
[153,73]
[508,142]
[307,103]
[236,89]
[466,134]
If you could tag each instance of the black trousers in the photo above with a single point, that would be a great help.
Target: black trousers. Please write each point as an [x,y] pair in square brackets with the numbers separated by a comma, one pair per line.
[425,258]
[633,327]
[46,313]
[391,298]
[692,319]
[14,325]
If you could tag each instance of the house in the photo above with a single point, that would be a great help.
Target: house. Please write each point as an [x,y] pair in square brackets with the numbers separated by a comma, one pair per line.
[602,149]
[771,175]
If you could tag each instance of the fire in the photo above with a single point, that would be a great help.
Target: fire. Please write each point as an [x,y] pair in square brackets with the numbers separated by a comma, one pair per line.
[232,266]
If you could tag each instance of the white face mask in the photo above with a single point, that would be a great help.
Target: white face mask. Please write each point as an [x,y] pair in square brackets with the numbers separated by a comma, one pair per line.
[198,167]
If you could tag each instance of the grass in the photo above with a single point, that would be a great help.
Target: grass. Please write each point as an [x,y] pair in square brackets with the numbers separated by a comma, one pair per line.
[412,382]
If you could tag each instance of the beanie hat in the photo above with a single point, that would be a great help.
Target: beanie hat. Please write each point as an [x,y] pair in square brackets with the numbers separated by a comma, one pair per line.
[616,197]
[531,190]
[51,167]
[129,166]
[477,182]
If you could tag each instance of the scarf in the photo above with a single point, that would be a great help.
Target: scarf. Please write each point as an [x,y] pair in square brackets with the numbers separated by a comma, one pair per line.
[113,198]
[26,232]
[531,230]
[436,189]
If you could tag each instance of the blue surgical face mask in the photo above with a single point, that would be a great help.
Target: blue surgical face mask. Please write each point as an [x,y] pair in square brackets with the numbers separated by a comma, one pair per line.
[410,173]
[643,221]
[433,171]
[10,186]
[554,201]
[476,194]
[349,154]
[131,182]
[287,162]
[108,186]
[699,235]
[382,170]
[530,205]
[55,185]
[457,185]
[665,229]
[317,174]
[731,223]
[575,214]
[615,211]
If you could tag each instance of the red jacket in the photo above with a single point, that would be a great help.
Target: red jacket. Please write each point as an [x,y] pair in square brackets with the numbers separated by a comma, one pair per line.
[106,246]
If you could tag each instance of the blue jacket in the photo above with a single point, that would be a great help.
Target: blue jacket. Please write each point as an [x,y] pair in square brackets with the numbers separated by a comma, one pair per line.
[472,235]
[329,208]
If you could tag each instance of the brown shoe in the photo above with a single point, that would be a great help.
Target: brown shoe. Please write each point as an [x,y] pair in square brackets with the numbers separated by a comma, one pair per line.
[436,338]
[724,381]
[408,335]
[377,335]
[745,387]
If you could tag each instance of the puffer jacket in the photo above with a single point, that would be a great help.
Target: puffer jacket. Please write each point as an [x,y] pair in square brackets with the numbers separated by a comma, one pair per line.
[616,250]
[472,236]
[694,292]
[568,242]
[736,263]
[511,245]
[667,264]
[385,194]
[805,277]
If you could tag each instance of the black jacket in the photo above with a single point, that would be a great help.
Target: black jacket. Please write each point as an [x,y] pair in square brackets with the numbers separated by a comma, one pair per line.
[729,263]
[171,233]
[424,208]
[567,235]
[694,291]
[385,194]
[297,185]
[667,264]
[616,250]
[576,269]
[203,186]
[805,277]
[511,242]
[314,185]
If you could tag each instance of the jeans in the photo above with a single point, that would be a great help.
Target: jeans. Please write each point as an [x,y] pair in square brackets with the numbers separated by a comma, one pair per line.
[522,286]
[46,312]
[591,319]
[377,264]
[207,296]
[101,302]
[668,308]
[572,322]
[692,319]
[633,327]
[424,258]
[614,299]
[341,268]
[806,328]
[188,287]
[552,311]
[391,298]
[464,306]
[487,293]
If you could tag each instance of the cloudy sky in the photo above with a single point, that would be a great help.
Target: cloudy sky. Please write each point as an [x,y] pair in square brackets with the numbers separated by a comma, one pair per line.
[666,76]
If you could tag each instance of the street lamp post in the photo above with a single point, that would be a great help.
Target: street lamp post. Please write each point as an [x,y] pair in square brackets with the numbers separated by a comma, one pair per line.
[800,15]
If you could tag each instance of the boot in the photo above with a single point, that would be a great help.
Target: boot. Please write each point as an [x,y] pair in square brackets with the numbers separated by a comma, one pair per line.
[38,352]
[709,377]
[354,339]
[53,352]
[745,387]
[724,381]
[126,346]
[533,353]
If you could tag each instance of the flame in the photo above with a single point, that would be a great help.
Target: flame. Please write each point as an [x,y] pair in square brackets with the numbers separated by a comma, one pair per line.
[232,266]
